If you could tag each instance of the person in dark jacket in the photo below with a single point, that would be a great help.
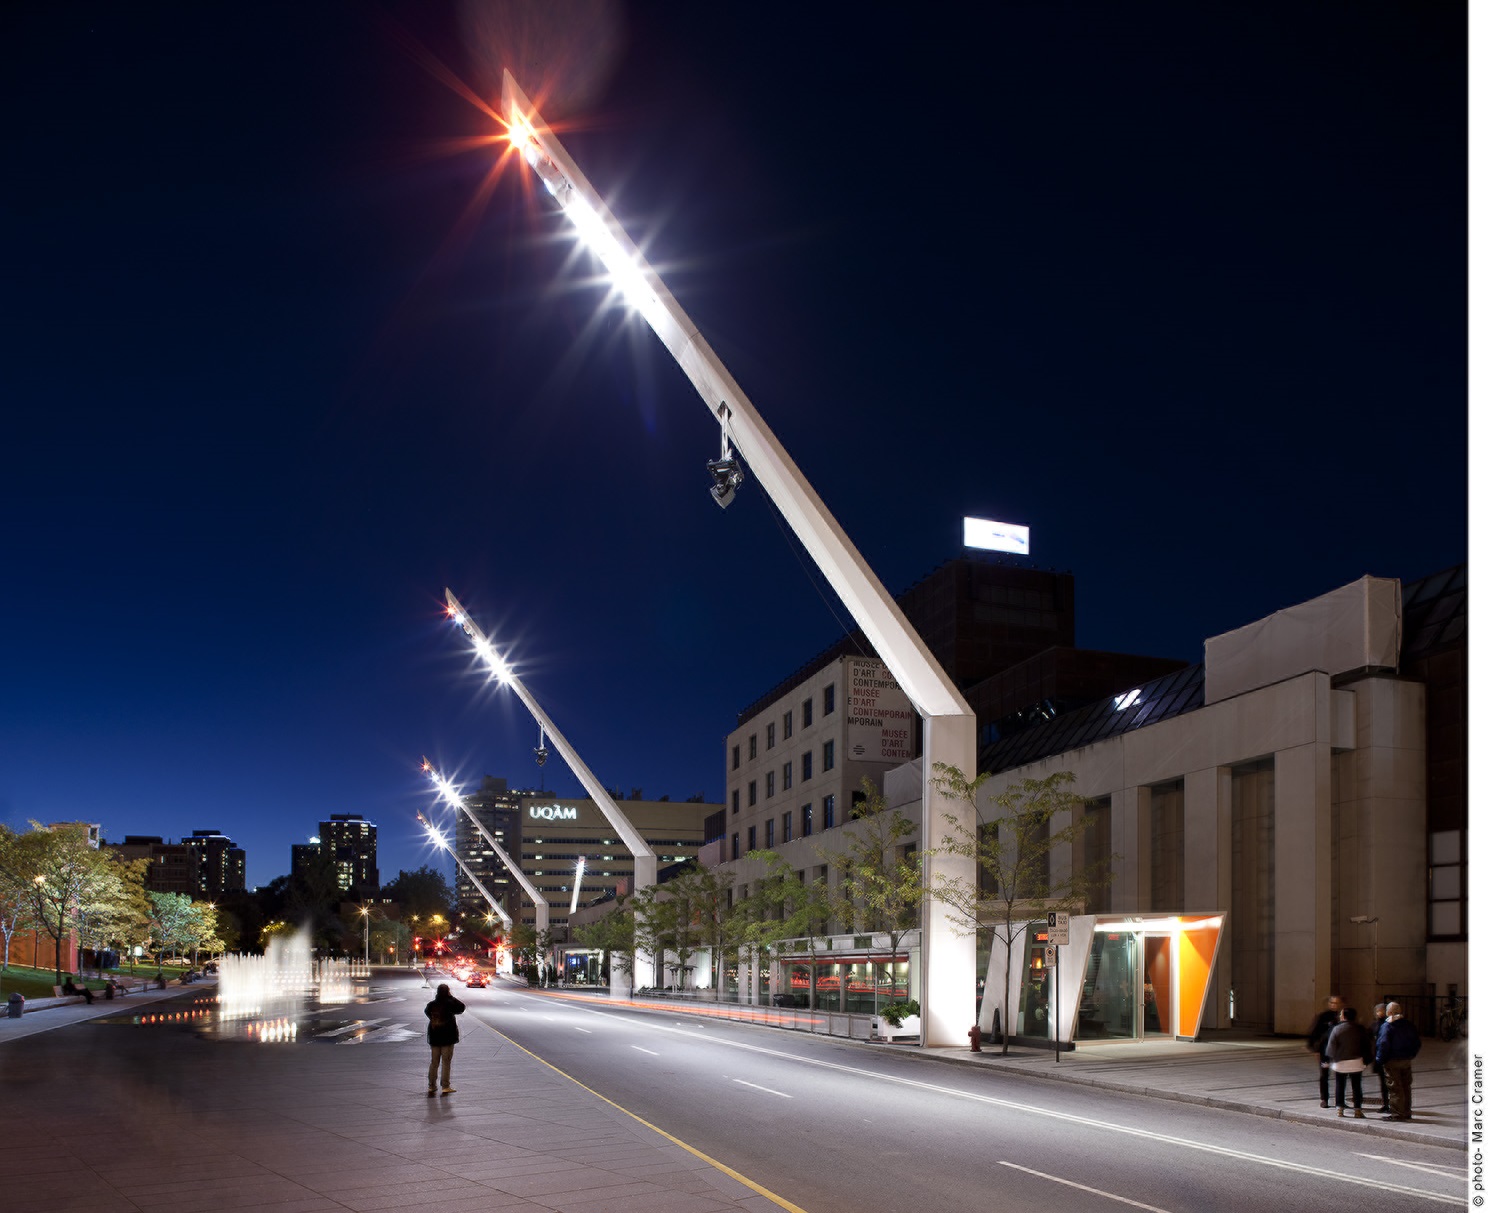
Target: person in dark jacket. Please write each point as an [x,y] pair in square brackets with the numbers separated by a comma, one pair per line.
[1397,1045]
[1349,1051]
[1317,1040]
[442,1034]
[1375,1025]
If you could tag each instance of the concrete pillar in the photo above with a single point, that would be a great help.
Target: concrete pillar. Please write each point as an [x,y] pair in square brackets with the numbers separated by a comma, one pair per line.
[1304,884]
[949,953]
[1130,842]
[1208,853]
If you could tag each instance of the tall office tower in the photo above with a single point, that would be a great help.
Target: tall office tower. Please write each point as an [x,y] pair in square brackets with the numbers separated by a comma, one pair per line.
[497,806]
[215,865]
[349,841]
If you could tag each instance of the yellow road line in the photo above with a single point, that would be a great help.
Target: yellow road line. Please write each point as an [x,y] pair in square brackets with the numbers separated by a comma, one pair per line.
[676,1141]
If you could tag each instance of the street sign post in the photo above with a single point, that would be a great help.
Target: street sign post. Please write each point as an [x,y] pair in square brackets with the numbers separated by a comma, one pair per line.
[1057,936]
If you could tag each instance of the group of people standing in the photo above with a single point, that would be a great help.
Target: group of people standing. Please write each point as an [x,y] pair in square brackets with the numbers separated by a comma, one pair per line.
[1345,1047]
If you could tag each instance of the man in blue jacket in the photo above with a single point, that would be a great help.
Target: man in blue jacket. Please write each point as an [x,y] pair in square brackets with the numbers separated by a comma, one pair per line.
[1397,1044]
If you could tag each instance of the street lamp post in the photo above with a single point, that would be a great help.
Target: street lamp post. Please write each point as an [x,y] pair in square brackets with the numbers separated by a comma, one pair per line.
[365,913]
[949,735]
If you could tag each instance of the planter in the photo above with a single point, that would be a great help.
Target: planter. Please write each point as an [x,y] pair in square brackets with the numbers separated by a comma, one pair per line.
[910,1026]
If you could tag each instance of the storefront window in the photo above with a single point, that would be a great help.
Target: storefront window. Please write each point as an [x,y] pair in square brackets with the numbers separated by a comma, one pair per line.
[1108,1008]
[1036,988]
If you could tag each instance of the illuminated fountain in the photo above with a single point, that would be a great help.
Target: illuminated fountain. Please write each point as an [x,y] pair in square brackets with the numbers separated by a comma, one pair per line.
[282,980]
[334,980]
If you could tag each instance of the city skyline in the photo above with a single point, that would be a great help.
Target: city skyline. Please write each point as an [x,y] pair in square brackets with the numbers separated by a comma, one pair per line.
[1184,293]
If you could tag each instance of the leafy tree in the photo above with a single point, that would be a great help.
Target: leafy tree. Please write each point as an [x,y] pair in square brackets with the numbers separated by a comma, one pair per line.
[614,935]
[877,881]
[1014,884]
[170,916]
[68,875]
[117,912]
[780,912]
[202,930]
[17,911]
[424,892]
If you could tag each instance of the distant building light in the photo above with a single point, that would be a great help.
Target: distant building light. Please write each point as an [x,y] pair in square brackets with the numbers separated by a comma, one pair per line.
[1009,537]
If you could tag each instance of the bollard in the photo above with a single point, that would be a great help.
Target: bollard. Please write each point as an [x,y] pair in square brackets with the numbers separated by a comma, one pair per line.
[974,1035]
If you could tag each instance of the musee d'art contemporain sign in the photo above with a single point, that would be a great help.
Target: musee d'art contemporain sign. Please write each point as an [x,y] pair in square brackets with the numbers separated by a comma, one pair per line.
[879,724]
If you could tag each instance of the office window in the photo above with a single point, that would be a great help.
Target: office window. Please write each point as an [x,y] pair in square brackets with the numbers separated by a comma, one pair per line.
[770,735]
[734,801]
[786,826]
[807,766]
[828,700]
[734,758]
[752,747]
[750,839]
[734,846]
[754,787]
[807,713]
[770,784]
[786,776]
[771,832]
[786,726]
[828,755]
[806,820]
[829,809]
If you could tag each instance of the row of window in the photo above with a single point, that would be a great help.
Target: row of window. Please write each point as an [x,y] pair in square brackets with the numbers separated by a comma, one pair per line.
[786,727]
[753,787]
[830,812]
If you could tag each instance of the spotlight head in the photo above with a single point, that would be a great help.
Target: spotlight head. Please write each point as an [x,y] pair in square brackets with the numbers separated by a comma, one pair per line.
[728,476]
[541,755]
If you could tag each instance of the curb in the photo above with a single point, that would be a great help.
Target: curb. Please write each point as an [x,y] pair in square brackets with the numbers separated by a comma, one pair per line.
[1371,1128]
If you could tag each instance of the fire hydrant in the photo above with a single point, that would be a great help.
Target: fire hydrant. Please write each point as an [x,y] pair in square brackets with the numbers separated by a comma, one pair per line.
[974,1035]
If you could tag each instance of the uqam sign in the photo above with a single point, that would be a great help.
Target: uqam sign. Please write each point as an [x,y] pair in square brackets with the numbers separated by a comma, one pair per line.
[554,812]
[879,722]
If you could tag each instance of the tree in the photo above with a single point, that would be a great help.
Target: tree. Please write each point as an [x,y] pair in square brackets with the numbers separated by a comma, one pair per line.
[1014,884]
[424,892]
[118,910]
[17,912]
[781,911]
[68,876]
[614,935]
[170,918]
[202,930]
[877,884]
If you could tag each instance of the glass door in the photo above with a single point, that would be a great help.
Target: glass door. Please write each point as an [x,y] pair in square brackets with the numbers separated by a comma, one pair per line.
[1108,1008]
[1156,989]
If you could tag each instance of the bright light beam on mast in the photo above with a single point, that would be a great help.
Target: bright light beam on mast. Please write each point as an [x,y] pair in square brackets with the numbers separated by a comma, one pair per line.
[457,803]
[640,849]
[949,737]
[435,836]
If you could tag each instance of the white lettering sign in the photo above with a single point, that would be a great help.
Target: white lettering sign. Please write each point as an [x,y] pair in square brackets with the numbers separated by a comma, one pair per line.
[554,812]
[879,722]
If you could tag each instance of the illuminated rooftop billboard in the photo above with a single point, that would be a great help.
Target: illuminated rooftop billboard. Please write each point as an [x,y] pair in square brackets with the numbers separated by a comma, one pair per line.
[997,536]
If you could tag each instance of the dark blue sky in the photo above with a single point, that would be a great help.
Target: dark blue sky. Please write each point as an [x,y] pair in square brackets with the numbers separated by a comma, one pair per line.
[1179,285]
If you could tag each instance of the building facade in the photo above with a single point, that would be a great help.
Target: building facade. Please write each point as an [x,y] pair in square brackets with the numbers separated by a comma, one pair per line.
[351,843]
[203,867]
[498,807]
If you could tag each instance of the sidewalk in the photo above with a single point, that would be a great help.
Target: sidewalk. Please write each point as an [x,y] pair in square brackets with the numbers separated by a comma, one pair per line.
[157,1105]
[1260,1076]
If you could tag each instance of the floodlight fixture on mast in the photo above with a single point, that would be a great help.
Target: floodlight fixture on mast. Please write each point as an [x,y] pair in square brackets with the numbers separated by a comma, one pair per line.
[949,735]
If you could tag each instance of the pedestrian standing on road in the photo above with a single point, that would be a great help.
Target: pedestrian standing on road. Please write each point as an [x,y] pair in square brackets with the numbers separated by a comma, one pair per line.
[442,1034]
[1350,1050]
[1317,1040]
[1376,1024]
[1394,1050]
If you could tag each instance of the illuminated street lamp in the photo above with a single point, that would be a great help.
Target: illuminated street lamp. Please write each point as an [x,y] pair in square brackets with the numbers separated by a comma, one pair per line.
[640,849]
[364,912]
[948,721]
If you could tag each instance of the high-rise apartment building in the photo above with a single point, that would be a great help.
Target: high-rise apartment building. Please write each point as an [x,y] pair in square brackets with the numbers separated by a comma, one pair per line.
[205,866]
[350,842]
[497,805]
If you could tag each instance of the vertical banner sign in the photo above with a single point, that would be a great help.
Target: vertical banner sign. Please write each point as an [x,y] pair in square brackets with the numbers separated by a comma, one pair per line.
[879,722]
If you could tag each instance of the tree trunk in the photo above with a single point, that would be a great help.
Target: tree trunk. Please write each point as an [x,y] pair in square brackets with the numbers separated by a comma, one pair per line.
[1005,1006]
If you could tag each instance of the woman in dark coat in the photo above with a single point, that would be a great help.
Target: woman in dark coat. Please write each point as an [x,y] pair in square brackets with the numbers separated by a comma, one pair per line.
[442,1034]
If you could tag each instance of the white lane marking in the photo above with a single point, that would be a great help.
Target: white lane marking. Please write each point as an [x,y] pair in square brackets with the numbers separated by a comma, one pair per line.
[767,1090]
[585,1031]
[653,1054]
[1432,1168]
[355,1026]
[1081,1121]
[1057,1179]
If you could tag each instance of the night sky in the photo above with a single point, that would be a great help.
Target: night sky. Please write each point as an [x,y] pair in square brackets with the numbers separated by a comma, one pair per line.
[1181,286]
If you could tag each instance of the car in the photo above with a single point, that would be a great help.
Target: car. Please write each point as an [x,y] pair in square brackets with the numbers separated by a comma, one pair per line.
[477,980]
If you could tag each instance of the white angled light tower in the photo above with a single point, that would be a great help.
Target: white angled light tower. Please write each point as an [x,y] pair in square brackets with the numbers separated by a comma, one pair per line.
[948,732]
[436,837]
[458,804]
[640,850]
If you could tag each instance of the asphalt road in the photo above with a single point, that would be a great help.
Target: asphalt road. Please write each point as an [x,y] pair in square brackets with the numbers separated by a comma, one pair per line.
[832,1125]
